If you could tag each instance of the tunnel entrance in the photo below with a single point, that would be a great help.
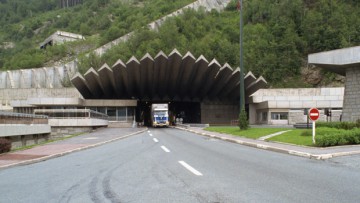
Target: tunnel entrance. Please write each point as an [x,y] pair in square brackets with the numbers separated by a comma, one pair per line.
[189,112]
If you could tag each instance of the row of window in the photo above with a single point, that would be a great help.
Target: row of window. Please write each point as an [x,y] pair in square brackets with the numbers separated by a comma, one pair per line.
[274,116]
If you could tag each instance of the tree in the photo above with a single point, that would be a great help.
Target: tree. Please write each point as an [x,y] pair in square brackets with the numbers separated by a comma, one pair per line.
[243,121]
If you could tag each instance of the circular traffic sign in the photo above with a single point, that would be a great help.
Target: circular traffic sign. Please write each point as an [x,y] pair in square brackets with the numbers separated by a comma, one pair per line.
[314,114]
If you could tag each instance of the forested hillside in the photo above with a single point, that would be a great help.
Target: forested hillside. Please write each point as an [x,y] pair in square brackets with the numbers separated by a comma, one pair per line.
[278,34]
[26,23]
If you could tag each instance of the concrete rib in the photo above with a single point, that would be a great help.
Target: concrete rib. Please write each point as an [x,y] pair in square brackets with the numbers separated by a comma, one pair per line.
[187,66]
[248,79]
[107,81]
[174,71]
[255,86]
[133,69]
[93,81]
[155,81]
[222,78]
[80,83]
[213,69]
[233,80]
[235,92]
[120,78]
[161,64]
[146,69]
[202,67]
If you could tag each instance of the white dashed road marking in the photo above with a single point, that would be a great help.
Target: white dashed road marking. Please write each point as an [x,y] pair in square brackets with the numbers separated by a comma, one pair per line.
[191,169]
[165,149]
[150,135]
[155,140]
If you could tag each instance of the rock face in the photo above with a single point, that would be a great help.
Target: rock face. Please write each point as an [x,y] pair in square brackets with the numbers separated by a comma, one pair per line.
[315,77]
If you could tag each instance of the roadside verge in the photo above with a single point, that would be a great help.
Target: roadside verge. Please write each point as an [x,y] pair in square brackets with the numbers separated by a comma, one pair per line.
[307,152]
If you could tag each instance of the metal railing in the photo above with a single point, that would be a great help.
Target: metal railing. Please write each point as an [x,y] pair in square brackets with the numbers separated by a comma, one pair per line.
[70,113]
[121,118]
[22,118]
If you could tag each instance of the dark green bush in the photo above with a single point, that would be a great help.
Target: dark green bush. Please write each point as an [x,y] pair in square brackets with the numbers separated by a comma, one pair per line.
[339,138]
[5,145]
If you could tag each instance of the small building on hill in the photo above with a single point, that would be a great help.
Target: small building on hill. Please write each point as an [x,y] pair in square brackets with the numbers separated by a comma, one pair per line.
[60,37]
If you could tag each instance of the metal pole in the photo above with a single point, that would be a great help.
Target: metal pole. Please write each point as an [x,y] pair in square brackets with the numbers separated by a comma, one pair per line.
[242,69]
[313,132]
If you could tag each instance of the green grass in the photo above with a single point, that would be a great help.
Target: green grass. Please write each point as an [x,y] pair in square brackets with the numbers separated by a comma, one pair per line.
[253,133]
[294,137]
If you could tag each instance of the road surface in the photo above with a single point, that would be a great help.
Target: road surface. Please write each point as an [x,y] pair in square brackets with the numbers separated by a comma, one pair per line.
[169,165]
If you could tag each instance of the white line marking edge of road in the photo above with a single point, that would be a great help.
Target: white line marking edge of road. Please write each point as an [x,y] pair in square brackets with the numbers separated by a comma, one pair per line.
[155,140]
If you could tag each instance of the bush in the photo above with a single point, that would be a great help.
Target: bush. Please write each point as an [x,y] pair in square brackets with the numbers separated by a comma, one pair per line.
[243,122]
[340,125]
[5,145]
[338,138]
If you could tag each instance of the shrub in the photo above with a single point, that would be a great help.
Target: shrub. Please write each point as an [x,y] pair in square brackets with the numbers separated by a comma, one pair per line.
[340,125]
[243,122]
[339,138]
[5,145]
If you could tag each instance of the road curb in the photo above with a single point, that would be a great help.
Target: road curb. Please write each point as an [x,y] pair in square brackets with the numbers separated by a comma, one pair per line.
[31,161]
[275,149]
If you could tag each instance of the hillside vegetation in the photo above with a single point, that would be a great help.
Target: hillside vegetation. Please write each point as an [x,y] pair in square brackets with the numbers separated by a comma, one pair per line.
[278,34]
[27,23]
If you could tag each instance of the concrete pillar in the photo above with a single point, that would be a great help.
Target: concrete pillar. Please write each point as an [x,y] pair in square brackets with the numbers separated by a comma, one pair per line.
[351,107]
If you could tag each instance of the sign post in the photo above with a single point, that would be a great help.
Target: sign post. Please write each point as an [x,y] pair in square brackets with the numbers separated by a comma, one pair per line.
[314,114]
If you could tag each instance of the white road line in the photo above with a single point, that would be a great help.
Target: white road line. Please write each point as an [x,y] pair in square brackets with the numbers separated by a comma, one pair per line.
[191,169]
[150,135]
[155,140]
[165,149]
[148,131]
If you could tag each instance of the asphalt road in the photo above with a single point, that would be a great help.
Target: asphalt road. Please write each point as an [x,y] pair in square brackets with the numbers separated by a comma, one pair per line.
[178,166]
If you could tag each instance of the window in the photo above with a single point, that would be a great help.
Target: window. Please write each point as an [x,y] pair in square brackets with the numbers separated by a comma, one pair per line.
[279,116]
[264,116]
[121,113]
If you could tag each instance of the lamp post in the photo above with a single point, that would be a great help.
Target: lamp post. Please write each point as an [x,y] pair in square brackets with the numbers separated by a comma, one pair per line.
[242,69]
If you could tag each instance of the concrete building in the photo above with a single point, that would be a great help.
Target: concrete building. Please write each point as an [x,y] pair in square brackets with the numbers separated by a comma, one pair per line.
[288,106]
[344,62]
[197,90]
[60,37]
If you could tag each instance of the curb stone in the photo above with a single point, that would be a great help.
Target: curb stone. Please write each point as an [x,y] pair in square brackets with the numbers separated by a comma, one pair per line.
[275,149]
[31,161]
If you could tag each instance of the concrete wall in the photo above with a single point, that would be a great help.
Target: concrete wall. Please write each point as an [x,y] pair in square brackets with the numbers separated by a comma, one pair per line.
[352,95]
[26,140]
[20,96]
[78,122]
[21,129]
[60,132]
[47,77]
[219,113]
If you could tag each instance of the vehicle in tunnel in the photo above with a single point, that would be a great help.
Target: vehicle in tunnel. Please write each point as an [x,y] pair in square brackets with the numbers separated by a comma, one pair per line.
[160,115]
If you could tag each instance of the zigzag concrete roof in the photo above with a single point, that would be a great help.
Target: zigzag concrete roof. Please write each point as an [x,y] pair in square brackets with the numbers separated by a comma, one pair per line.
[166,78]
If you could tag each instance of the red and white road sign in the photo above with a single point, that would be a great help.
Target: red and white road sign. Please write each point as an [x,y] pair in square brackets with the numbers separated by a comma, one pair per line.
[314,114]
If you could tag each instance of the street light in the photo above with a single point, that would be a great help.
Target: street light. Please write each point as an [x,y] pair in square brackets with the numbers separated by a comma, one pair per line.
[242,69]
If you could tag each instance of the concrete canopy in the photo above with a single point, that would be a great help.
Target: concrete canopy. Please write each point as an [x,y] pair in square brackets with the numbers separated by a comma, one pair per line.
[166,78]
[336,60]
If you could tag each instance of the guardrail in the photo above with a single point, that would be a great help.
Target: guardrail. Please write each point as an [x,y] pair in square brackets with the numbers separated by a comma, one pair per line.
[70,113]
[21,118]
